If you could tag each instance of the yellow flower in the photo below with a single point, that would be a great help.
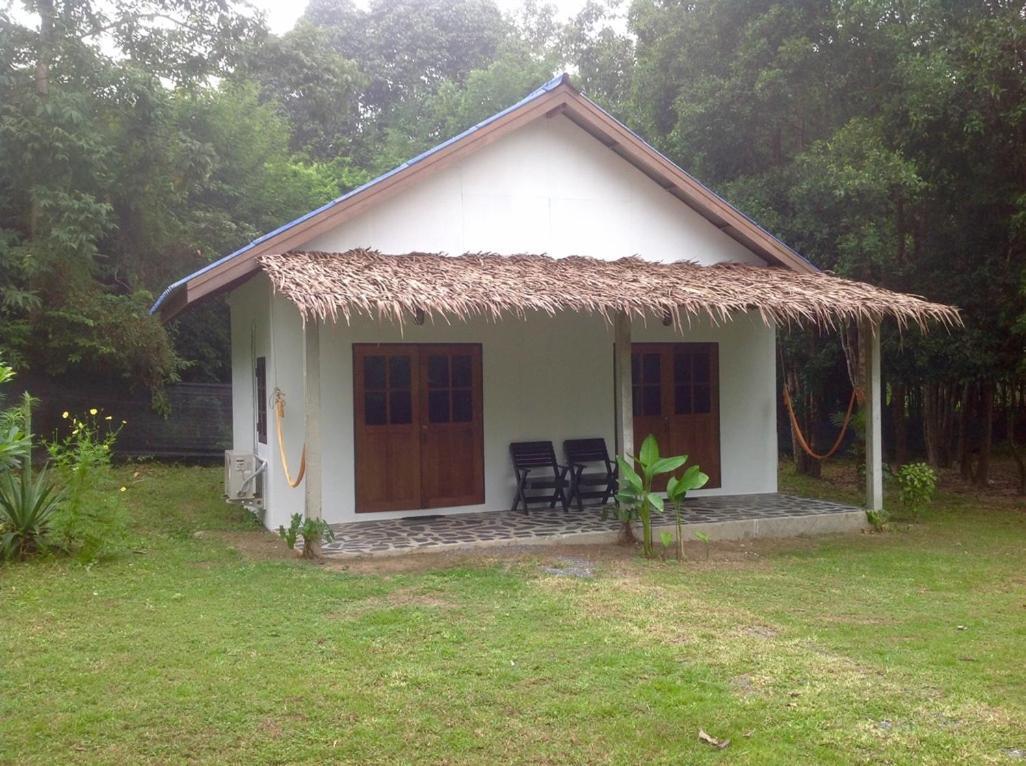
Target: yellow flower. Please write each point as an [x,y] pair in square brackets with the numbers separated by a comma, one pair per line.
[65,414]
[93,410]
[124,489]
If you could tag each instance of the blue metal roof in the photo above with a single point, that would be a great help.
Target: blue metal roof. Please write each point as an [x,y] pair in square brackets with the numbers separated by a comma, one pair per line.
[546,88]
[550,85]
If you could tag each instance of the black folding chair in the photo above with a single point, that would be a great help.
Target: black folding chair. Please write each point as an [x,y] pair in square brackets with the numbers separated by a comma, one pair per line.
[600,482]
[536,468]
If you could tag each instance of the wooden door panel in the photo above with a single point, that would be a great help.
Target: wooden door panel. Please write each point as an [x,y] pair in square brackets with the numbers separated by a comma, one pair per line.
[693,407]
[452,434]
[384,480]
[647,387]
[387,439]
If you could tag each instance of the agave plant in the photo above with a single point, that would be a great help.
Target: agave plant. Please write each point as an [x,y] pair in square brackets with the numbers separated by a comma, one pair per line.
[27,507]
[27,502]
[636,496]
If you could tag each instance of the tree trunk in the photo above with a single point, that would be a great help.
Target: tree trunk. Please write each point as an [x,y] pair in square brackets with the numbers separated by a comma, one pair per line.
[938,423]
[44,54]
[45,10]
[804,414]
[964,449]
[1013,447]
[982,477]
[900,424]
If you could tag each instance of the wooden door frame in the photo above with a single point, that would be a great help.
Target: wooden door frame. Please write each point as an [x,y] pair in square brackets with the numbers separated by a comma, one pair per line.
[418,351]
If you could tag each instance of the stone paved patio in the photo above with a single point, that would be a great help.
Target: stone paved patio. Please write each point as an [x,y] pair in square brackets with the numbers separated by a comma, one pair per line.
[724,517]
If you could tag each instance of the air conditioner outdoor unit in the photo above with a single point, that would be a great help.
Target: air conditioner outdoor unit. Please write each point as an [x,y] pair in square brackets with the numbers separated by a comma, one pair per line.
[241,475]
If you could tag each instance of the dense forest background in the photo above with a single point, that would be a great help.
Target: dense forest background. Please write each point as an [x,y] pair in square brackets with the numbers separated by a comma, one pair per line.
[883,139]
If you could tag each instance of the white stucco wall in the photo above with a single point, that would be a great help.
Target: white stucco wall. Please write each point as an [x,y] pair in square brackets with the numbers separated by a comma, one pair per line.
[543,378]
[546,188]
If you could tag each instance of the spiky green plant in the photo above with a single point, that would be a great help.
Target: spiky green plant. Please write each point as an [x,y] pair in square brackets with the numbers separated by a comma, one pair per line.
[27,502]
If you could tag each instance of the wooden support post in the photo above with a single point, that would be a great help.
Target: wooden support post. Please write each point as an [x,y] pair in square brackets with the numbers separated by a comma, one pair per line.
[622,386]
[312,410]
[873,405]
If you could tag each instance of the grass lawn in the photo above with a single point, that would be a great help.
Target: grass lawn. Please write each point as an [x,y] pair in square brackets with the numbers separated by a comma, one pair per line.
[207,644]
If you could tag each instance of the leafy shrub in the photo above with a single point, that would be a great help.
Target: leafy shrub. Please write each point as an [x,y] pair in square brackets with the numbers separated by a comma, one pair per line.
[877,520]
[638,500]
[312,531]
[91,522]
[917,483]
[14,442]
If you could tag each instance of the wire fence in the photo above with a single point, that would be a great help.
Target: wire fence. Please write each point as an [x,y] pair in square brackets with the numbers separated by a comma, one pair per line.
[198,426]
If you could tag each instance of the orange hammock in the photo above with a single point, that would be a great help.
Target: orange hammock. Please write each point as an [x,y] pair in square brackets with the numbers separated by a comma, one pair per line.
[279,415]
[800,437]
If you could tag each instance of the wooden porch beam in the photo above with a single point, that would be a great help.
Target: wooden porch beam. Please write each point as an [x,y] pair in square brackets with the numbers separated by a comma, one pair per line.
[312,413]
[873,404]
[622,371]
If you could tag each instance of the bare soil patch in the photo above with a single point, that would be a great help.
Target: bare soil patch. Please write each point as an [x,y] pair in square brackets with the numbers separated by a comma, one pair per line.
[256,545]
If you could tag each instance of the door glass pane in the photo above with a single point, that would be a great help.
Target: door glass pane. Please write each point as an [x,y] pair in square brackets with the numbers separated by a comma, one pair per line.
[461,375]
[703,399]
[702,371]
[651,367]
[636,368]
[682,368]
[400,409]
[682,400]
[636,399]
[438,406]
[399,372]
[651,400]
[374,408]
[438,371]
[462,406]
[374,372]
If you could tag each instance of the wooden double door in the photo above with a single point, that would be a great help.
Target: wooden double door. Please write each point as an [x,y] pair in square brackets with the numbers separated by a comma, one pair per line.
[418,426]
[675,390]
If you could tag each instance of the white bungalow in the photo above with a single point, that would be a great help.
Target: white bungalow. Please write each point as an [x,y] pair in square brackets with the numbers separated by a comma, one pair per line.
[407,375]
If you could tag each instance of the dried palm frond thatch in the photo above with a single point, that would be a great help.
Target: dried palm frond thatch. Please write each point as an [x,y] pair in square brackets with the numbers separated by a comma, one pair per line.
[397,287]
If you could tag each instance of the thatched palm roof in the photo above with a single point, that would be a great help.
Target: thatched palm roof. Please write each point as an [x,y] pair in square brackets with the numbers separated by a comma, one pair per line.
[396,287]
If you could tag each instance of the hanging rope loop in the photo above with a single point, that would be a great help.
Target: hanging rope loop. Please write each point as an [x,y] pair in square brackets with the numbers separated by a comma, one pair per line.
[800,437]
[279,416]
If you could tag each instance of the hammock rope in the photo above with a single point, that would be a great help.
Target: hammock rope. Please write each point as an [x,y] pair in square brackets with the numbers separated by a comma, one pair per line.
[800,437]
[279,416]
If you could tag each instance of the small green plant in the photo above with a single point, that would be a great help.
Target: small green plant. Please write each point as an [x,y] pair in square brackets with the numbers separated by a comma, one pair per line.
[666,538]
[313,531]
[704,538]
[92,522]
[290,534]
[917,483]
[877,520]
[636,497]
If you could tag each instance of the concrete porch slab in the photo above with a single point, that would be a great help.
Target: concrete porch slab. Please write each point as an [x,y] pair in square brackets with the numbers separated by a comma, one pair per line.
[728,517]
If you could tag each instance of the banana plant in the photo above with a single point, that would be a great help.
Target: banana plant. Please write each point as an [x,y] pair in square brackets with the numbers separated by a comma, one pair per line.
[636,496]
